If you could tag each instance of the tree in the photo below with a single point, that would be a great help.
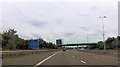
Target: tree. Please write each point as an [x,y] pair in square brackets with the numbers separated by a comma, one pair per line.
[11,31]
[100,45]
[0,40]
[114,44]
[118,38]
[109,41]
[10,40]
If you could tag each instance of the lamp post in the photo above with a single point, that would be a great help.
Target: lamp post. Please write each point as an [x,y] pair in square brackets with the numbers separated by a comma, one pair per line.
[102,17]
[86,35]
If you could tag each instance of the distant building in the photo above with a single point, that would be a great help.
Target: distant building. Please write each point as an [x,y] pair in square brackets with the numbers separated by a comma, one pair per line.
[58,41]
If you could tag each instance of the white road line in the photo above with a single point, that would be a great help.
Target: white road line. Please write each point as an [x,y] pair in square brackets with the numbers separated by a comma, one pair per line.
[83,62]
[45,59]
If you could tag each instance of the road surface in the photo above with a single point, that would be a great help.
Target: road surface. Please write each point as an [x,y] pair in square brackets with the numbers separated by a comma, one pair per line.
[69,57]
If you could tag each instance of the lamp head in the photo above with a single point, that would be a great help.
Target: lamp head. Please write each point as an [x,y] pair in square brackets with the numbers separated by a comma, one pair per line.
[104,17]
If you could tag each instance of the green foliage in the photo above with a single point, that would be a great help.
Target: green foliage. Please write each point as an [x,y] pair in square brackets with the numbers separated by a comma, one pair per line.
[12,41]
[111,43]
[114,44]
[91,47]
[118,38]
[0,40]
[100,45]
[44,44]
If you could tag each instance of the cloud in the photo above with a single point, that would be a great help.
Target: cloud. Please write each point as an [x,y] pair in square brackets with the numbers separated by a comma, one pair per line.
[52,22]
[85,15]
[59,21]
[68,34]
[84,28]
[94,8]
[25,36]
[36,35]
[38,23]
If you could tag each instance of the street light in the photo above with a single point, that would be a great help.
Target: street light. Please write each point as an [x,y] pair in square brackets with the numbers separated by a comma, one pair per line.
[103,31]
[86,35]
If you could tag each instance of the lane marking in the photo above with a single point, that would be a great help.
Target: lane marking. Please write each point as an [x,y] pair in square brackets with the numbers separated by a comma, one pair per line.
[45,59]
[83,62]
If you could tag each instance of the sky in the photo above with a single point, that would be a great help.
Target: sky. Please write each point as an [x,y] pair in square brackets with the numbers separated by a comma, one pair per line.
[70,20]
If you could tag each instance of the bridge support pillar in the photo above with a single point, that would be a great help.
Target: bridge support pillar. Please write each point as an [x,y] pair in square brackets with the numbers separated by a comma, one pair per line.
[77,47]
[87,47]
[64,47]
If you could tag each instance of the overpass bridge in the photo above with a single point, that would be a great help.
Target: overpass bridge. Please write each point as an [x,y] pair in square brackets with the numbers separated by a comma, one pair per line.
[77,44]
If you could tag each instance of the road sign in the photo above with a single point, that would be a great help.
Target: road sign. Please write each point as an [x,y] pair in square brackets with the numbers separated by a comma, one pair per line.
[58,41]
[33,44]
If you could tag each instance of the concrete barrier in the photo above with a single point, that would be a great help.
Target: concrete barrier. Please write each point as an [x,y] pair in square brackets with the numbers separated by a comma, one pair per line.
[21,53]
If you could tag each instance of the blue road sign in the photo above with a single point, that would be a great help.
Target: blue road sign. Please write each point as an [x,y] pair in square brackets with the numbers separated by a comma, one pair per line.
[33,44]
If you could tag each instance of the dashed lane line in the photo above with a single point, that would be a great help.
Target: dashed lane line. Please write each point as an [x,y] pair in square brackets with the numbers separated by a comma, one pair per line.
[83,62]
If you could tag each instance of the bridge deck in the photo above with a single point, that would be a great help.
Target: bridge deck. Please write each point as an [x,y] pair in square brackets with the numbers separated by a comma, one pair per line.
[77,44]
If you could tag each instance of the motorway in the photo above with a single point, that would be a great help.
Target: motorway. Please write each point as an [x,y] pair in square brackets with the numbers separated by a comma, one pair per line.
[69,57]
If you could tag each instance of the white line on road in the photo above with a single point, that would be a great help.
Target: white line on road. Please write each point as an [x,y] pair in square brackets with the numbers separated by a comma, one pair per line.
[45,59]
[83,62]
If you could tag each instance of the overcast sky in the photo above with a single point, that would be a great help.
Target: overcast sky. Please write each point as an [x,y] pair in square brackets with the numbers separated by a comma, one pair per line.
[69,20]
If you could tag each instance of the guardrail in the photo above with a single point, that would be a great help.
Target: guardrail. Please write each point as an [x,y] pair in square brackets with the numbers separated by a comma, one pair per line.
[103,52]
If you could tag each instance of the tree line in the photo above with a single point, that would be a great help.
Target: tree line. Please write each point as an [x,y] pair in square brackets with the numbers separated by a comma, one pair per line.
[111,43]
[10,40]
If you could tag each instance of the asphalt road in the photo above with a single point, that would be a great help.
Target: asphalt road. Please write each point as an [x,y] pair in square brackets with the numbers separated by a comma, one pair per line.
[69,57]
